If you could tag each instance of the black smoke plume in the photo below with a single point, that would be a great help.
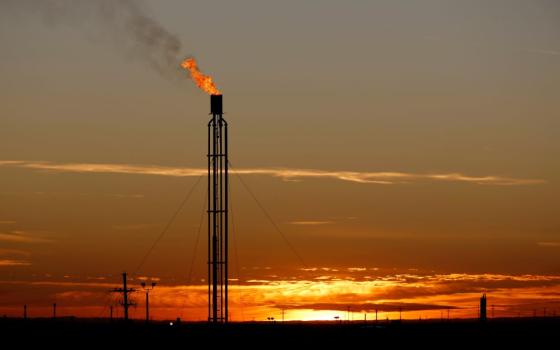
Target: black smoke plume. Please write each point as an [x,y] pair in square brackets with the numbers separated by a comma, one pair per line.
[125,24]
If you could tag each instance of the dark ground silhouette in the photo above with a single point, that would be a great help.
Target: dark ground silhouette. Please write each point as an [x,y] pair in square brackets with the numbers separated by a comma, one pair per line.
[81,333]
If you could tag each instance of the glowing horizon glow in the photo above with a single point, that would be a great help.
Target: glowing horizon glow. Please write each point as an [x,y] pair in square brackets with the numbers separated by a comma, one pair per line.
[418,296]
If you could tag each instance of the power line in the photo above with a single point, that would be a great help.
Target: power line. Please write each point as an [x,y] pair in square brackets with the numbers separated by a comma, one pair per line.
[235,251]
[292,248]
[107,298]
[168,225]
[195,249]
[196,241]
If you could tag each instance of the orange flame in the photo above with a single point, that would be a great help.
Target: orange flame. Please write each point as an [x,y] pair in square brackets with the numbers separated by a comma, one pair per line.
[202,81]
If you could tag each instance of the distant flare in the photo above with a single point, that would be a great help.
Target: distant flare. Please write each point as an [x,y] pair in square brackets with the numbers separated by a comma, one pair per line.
[204,82]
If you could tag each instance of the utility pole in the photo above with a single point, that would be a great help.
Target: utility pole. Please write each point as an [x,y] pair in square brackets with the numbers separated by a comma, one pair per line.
[111,313]
[125,291]
[25,312]
[148,289]
[54,311]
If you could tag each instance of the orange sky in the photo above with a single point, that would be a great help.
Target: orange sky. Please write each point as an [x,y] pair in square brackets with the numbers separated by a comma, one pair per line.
[406,151]
[321,295]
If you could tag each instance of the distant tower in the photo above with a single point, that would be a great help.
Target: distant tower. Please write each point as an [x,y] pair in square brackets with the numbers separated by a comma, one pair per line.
[483,308]
[218,185]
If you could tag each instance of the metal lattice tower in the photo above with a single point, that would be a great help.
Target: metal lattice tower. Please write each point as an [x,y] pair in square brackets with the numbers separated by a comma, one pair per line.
[217,214]
[482,311]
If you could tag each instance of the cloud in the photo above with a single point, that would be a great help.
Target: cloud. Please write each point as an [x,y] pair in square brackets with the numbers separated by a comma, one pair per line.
[133,227]
[12,262]
[549,244]
[544,52]
[13,252]
[366,307]
[22,237]
[84,194]
[416,295]
[13,257]
[287,174]
[356,269]
[10,162]
[310,222]
[480,45]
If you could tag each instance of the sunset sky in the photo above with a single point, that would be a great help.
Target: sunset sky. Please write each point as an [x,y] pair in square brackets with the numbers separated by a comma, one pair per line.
[407,150]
